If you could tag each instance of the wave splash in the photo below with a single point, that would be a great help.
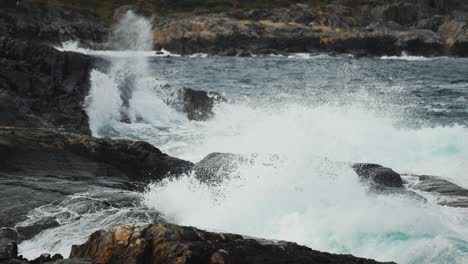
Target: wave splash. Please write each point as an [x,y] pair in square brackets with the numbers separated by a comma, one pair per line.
[128,92]
[321,204]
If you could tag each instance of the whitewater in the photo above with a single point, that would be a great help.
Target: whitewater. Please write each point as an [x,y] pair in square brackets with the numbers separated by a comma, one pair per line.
[409,114]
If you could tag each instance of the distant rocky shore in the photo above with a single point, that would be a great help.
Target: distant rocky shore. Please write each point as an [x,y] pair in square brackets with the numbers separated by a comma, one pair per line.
[243,28]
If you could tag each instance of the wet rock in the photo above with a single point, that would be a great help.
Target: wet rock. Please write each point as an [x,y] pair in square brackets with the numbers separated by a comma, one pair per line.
[217,167]
[378,175]
[40,166]
[43,87]
[166,243]
[454,195]
[8,243]
[29,231]
[199,104]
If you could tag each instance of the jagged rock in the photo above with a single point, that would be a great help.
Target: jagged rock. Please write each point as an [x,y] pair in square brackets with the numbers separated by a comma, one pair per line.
[43,87]
[40,166]
[166,243]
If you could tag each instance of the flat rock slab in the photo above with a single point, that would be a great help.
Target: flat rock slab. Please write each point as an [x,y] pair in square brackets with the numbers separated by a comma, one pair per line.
[454,195]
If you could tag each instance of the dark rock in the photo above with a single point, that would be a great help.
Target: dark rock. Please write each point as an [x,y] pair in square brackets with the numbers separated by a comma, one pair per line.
[378,175]
[447,6]
[29,231]
[460,47]
[455,195]
[199,104]
[432,23]
[8,243]
[422,42]
[406,14]
[43,87]
[49,22]
[40,166]
[165,243]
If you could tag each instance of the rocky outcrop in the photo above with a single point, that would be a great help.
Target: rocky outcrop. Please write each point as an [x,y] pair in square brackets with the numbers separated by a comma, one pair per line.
[218,167]
[341,26]
[166,243]
[40,166]
[9,252]
[451,194]
[43,87]
[257,27]
[237,37]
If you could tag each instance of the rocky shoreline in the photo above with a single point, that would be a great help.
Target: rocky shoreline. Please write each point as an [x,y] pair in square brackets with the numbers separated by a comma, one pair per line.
[42,163]
[238,28]
[47,152]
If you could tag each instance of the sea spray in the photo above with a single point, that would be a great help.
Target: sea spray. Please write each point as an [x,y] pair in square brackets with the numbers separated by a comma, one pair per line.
[406,115]
[319,204]
[130,78]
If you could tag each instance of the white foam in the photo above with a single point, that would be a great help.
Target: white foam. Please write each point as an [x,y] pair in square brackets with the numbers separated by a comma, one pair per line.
[308,56]
[313,202]
[75,47]
[404,56]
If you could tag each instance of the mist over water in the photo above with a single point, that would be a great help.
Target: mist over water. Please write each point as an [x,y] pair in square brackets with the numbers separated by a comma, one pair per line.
[406,113]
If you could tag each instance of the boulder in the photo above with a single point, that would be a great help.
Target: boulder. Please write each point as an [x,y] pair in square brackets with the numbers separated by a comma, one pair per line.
[167,243]
[378,175]
[43,87]
[199,104]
